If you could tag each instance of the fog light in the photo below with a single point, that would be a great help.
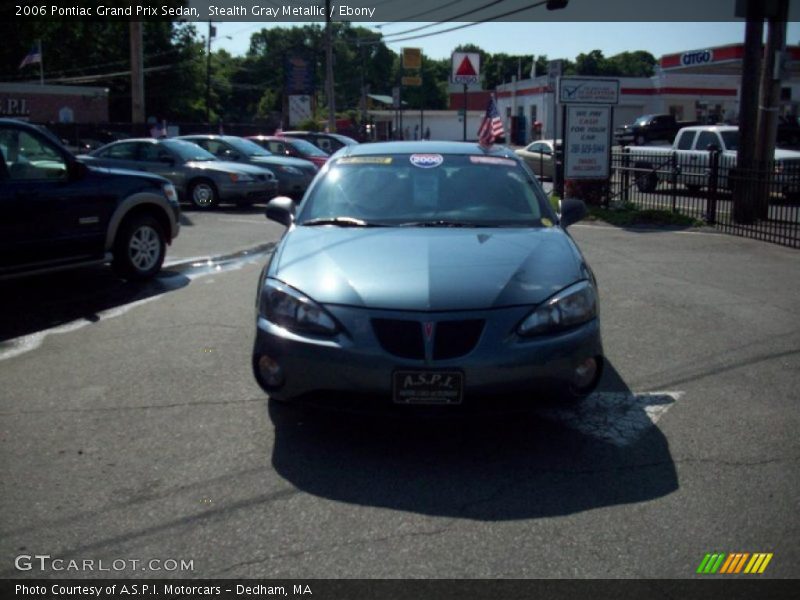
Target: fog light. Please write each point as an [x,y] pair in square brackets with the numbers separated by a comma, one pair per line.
[270,371]
[585,374]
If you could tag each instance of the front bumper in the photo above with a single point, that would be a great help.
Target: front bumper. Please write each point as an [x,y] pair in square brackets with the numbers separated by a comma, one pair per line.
[248,191]
[501,362]
[293,186]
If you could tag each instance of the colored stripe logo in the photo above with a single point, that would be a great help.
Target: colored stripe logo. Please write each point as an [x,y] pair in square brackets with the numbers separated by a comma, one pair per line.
[736,562]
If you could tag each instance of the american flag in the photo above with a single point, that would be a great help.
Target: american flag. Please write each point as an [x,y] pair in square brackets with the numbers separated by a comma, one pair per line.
[492,126]
[34,56]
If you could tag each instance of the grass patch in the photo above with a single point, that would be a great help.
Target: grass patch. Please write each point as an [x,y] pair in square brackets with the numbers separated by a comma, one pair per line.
[628,215]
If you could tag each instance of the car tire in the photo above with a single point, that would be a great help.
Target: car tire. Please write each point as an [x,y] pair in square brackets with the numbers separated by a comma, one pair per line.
[203,194]
[645,182]
[139,248]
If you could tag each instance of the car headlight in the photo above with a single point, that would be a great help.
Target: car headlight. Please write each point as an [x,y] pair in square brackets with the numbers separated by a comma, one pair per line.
[170,193]
[571,306]
[289,308]
[240,177]
[291,170]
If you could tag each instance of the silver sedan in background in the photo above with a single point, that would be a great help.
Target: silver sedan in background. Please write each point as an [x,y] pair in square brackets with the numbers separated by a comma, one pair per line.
[294,174]
[199,177]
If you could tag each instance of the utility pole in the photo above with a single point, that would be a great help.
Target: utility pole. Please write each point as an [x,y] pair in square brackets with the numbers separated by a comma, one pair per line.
[211,33]
[137,72]
[745,188]
[771,77]
[329,69]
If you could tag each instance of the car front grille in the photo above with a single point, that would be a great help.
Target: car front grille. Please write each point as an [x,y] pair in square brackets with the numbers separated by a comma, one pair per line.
[405,338]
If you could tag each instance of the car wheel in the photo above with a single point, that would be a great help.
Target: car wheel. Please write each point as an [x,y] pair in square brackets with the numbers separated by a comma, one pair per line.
[646,182]
[139,248]
[203,194]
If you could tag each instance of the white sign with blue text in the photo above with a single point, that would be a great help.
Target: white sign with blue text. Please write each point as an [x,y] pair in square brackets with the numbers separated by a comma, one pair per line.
[588,142]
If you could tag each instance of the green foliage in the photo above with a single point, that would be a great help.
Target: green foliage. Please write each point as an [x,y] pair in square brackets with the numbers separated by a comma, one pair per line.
[308,125]
[626,64]
[251,87]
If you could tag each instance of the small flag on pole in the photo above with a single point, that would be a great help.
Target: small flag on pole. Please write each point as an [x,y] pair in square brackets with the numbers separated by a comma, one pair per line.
[33,57]
[492,125]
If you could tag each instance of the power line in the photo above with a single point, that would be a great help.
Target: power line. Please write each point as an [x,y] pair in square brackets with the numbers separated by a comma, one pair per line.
[448,20]
[464,26]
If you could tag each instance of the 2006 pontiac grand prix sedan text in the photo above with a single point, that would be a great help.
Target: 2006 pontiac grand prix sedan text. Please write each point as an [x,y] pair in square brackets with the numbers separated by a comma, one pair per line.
[426,273]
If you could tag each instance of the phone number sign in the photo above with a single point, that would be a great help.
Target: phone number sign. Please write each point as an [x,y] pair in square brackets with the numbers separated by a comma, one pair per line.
[587,142]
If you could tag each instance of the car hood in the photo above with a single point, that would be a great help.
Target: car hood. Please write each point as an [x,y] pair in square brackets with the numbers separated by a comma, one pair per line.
[428,268]
[126,172]
[282,161]
[224,166]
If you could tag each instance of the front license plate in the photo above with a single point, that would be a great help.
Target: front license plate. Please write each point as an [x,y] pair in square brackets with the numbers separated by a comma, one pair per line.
[427,387]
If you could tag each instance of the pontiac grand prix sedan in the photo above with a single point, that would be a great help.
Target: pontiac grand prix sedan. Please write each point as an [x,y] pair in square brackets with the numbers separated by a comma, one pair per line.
[426,273]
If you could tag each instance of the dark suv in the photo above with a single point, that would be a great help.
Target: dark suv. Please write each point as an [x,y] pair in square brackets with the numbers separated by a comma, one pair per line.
[58,213]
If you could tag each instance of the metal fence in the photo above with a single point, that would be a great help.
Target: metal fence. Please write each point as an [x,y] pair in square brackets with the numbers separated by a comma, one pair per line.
[761,203]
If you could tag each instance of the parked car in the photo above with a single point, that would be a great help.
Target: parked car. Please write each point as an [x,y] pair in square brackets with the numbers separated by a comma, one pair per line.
[199,177]
[692,152]
[650,128]
[426,273]
[294,174]
[327,142]
[285,146]
[540,157]
[59,213]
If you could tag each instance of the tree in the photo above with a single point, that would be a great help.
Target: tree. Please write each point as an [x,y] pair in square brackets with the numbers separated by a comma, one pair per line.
[96,53]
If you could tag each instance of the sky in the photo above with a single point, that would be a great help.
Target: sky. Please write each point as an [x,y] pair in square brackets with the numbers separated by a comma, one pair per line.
[556,40]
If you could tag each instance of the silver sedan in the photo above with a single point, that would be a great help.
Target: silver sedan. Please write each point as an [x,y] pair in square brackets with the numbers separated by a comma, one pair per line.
[198,176]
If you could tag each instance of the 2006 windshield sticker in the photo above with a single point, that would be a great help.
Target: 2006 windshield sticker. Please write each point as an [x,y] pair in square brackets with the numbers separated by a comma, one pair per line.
[426,161]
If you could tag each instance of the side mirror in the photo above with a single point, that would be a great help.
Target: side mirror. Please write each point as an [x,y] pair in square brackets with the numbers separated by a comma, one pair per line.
[572,211]
[281,210]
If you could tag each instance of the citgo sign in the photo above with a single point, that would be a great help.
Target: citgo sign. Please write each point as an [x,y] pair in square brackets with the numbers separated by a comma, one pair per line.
[696,58]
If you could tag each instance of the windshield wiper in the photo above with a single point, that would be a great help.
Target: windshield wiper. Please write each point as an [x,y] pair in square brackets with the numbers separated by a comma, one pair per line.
[341,222]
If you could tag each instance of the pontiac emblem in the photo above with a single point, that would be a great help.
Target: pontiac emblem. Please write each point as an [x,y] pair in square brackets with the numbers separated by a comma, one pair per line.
[428,331]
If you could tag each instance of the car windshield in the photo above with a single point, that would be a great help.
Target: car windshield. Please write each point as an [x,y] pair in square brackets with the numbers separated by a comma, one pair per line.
[247,147]
[307,148]
[643,119]
[188,151]
[426,190]
[730,139]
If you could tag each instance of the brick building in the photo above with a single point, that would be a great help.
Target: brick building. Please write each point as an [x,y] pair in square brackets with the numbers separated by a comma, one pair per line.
[54,103]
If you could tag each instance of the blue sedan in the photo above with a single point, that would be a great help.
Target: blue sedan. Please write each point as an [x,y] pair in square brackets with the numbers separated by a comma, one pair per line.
[426,273]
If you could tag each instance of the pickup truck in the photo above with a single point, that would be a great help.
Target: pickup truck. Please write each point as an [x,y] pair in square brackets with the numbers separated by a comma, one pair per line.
[650,128]
[690,157]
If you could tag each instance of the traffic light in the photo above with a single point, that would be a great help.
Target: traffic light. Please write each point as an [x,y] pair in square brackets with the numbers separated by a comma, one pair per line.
[556,4]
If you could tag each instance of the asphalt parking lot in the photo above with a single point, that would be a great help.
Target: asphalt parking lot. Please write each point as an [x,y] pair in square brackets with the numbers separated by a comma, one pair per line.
[131,428]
